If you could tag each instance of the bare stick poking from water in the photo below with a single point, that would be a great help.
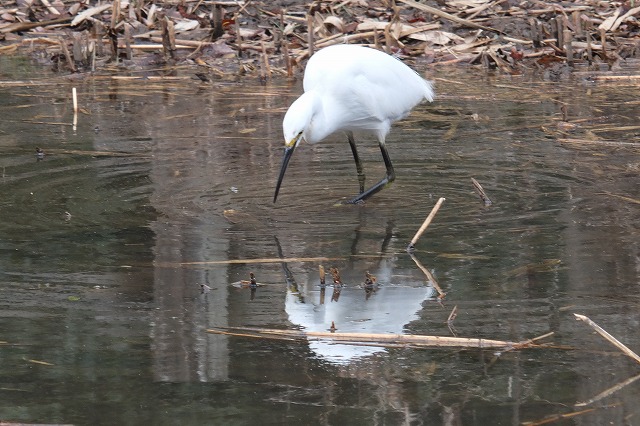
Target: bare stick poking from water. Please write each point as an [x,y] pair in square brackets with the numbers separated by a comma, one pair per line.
[74,95]
[425,224]
[631,354]
[628,352]
[483,195]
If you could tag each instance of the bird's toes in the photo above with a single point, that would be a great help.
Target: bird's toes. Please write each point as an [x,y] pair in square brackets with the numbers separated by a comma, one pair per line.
[354,201]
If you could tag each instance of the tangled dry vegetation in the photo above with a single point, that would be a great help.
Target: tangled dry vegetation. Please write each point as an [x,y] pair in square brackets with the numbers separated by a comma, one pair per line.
[273,37]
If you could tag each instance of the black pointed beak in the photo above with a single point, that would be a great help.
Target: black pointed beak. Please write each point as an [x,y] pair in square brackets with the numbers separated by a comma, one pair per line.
[288,152]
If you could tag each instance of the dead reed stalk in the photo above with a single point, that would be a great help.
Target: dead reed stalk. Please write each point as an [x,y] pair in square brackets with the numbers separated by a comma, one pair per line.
[425,224]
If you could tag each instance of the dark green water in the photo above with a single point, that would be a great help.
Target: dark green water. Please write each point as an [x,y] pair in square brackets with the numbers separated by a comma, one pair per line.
[166,185]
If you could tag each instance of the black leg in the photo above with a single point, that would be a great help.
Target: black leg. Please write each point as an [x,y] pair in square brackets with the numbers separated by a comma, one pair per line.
[356,157]
[390,177]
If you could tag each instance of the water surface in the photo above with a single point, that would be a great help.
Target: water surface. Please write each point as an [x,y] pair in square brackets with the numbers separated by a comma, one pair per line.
[165,185]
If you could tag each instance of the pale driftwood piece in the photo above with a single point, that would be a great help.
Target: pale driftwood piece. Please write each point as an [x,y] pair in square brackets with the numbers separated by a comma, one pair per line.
[425,224]
[628,352]
[382,338]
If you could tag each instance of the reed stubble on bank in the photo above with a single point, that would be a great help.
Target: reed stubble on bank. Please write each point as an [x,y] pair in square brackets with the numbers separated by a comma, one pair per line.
[239,35]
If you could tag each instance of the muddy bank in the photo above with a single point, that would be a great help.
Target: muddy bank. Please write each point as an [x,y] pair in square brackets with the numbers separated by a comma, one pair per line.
[263,38]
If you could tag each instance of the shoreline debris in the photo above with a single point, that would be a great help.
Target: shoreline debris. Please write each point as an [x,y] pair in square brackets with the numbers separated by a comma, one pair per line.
[264,39]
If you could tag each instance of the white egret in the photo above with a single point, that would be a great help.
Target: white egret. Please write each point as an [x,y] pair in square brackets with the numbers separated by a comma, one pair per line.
[352,88]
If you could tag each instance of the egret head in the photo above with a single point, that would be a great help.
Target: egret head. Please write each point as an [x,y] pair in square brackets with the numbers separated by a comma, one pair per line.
[295,126]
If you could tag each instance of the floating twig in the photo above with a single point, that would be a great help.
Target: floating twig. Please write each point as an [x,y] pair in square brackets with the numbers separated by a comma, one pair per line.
[425,224]
[383,339]
[483,195]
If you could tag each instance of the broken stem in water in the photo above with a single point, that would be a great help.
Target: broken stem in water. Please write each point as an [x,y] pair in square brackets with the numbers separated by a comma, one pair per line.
[381,339]
[631,354]
[425,224]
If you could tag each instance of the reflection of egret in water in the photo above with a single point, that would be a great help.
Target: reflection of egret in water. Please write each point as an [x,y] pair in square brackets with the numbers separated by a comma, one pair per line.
[354,307]
[388,311]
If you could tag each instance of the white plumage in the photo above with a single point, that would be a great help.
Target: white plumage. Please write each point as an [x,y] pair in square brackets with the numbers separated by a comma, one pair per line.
[352,88]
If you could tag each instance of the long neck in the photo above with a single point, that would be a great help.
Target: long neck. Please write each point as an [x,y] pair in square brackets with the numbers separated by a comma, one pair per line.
[323,120]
